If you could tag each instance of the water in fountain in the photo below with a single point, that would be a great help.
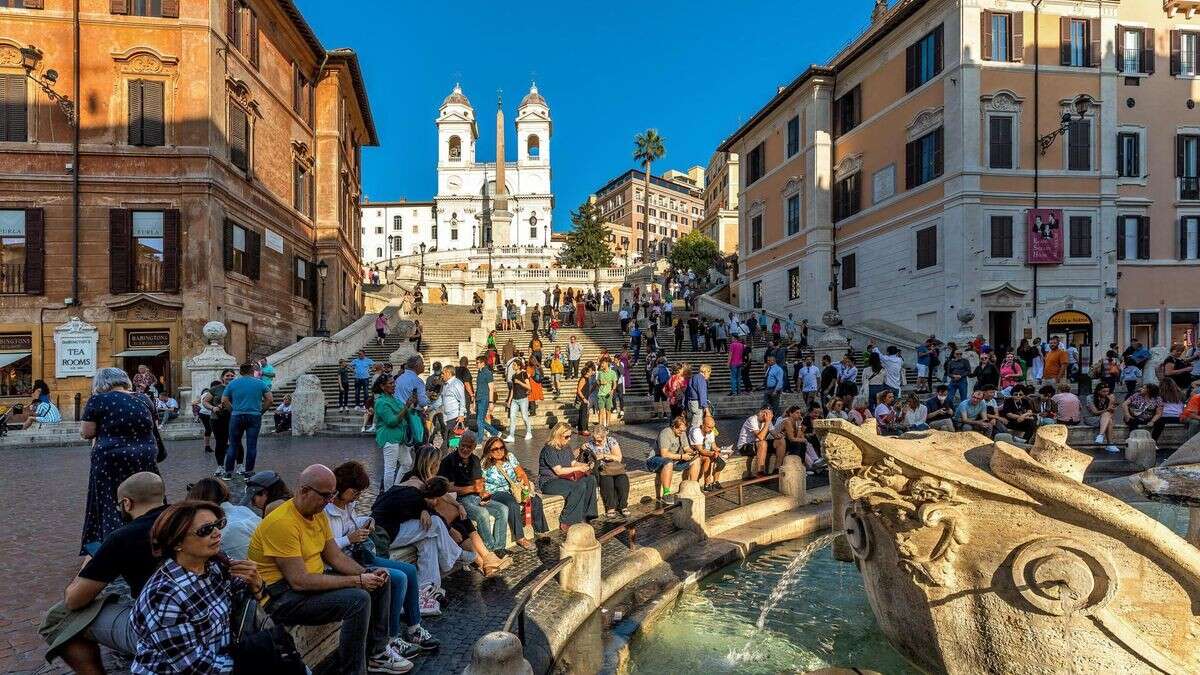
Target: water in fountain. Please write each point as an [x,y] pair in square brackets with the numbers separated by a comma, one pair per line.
[747,652]
[818,617]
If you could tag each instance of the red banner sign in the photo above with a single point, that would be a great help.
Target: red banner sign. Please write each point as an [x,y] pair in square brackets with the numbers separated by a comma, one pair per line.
[1044,236]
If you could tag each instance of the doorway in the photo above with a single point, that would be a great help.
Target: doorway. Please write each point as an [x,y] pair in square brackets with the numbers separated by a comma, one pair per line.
[239,341]
[1075,328]
[1001,324]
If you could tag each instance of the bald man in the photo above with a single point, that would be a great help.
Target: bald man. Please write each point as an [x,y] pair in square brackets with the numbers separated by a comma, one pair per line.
[91,614]
[292,547]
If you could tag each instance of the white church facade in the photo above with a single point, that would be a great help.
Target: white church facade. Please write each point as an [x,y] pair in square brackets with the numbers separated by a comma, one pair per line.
[467,215]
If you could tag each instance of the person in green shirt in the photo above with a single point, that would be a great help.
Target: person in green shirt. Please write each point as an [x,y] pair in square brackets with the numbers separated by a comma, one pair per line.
[393,432]
[606,383]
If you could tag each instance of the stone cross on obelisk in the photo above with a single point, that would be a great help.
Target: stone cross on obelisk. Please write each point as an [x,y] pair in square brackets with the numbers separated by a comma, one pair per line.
[501,217]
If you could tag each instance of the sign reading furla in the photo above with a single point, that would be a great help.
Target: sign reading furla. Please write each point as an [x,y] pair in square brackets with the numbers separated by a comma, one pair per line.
[75,349]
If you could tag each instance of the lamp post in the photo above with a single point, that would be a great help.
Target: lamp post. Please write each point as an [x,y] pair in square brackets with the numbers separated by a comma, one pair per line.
[833,284]
[490,283]
[322,272]
[30,58]
[1081,106]
[421,282]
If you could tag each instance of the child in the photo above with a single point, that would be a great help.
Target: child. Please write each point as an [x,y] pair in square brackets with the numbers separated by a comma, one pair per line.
[1130,375]
[557,368]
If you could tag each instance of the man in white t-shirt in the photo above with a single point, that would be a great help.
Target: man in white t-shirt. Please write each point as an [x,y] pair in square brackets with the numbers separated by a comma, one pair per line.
[703,440]
[893,369]
[759,431]
[168,408]
[808,378]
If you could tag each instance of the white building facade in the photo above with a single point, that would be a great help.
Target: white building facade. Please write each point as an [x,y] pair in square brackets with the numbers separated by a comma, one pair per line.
[392,230]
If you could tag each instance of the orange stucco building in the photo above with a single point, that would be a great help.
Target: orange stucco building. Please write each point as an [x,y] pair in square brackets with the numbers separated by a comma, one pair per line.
[218,165]
[913,167]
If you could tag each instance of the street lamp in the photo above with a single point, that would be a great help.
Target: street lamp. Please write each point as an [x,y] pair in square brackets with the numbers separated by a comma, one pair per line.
[833,285]
[490,283]
[421,282]
[322,272]
[1081,106]
[30,58]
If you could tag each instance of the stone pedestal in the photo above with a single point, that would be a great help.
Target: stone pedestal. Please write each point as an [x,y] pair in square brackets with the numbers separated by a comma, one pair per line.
[834,341]
[308,406]
[793,478]
[208,364]
[965,334]
[582,575]
[1140,449]
[498,653]
[690,514]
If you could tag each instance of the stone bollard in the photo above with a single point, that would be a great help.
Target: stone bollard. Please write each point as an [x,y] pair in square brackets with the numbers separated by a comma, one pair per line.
[498,653]
[308,406]
[793,478]
[582,574]
[690,514]
[1140,449]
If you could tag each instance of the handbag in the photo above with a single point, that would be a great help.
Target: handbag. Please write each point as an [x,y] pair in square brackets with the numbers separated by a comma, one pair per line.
[255,648]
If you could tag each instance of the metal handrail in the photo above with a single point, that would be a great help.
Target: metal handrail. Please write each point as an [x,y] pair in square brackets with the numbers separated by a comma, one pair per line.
[517,614]
[742,484]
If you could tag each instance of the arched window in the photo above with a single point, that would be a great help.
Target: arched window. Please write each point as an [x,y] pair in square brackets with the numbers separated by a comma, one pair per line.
[455,148]
[534,146]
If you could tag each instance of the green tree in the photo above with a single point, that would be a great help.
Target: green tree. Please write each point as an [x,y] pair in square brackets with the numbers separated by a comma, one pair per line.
[587,242]
[696,252]
[648,147]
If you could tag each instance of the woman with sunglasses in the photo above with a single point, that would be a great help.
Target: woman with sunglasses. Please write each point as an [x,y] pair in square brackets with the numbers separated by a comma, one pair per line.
[560,472]
[507,482]
[182,616]
[351,533]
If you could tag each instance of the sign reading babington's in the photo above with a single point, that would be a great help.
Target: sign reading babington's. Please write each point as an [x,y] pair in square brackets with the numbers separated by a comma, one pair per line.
[75,349]
[1044,236]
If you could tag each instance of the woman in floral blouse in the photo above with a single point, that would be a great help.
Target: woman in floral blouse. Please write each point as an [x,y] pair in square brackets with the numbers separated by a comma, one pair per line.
[508,484]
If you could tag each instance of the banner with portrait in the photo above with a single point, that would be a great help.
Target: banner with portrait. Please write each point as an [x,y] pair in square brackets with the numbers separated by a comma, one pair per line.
[1044,230]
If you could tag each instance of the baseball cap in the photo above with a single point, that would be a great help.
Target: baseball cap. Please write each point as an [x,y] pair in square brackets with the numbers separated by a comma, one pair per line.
[262,480]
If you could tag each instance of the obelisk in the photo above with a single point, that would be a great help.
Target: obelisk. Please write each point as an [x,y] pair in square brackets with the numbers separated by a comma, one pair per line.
[501,217]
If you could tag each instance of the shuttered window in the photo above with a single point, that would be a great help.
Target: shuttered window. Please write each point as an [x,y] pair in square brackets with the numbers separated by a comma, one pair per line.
[926,247]
[146,126]
[1002,236]
[22,252]
[302,189]
[1189,238]
[847,111]
[1133,238]
[239,137]
[243,250]
[1079,233]
[1079,42]
[923,60]
[1187,166]
[1079,145]
[1129,155]
[849,271]
[924,158]
[847,197]
[1185,53]
[13,108]
[305,279]
[756,232]
[1135,50]
[756,163]
[1000,142]
[793,136]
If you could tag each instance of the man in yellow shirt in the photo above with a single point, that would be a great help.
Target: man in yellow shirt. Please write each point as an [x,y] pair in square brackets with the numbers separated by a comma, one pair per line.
[292,547]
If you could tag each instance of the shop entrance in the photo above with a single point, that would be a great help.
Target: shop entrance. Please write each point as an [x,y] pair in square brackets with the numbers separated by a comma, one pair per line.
[1001,324]
[150,348]
[1075,328]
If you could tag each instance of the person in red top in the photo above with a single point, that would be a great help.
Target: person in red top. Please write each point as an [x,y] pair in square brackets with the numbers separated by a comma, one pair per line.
[1191,411]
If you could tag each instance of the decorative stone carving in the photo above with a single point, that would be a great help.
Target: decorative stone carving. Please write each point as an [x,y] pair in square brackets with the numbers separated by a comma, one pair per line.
[214,332]
[979,556]
[965,334]
[849,166]
[308,406]
[1003,101]
[833,337]
[926,121]
[10,55]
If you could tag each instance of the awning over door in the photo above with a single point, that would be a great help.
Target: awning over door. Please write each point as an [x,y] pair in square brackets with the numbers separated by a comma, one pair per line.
[9,358]
[141,352]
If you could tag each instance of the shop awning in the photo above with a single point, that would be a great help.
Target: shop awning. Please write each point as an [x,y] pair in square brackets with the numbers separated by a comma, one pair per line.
[7,358]
[141,352]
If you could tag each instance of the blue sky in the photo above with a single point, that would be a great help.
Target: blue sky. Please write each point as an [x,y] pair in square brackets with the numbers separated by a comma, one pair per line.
[704,68]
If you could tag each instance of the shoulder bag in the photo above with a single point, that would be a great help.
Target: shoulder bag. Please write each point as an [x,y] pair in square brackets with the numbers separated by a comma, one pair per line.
[260,647]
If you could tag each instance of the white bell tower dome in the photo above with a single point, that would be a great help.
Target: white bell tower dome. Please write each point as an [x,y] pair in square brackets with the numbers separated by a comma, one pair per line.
[457,131]
[533,130]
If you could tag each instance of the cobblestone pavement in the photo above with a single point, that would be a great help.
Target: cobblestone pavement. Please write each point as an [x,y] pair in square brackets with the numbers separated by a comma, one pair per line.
[44,490]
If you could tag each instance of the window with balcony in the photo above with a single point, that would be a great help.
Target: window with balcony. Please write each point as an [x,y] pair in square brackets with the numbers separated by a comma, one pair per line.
[1135,50]
[793,136]
[1189,238]
[1079,236]
[925,158]
[1187,166]
[927,247]
[1133,238]
[13,108]
[1129,155]
[1185,52]
[1001,236]
[923,60]
[756,164]
[143,251]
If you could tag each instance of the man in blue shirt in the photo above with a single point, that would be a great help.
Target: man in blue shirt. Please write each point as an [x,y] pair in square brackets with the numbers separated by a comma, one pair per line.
[409,382]
[362,377]
[695,396]
[246,396]
[775,382]
[483,397]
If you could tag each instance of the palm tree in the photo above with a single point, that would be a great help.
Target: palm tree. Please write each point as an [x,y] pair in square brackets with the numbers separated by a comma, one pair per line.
[647,147]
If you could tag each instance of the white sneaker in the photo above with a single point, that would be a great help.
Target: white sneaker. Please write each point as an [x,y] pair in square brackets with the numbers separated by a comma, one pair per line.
[509,438]
[1099,438]
[528,435]
[1113,449]
[430,606]
[403,648]
[388,661]
[371,429]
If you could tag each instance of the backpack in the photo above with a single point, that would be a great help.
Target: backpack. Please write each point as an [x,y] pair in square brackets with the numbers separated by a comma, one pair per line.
[661,375]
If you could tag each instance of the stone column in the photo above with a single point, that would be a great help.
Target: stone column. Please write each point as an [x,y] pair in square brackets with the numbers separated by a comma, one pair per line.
[690,514]
[792,478]
[498,653]
[208,364]
[308,406]
[834,341]
[582,574]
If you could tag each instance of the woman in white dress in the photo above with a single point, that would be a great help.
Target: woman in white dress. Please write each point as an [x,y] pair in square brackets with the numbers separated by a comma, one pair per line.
[1039,361]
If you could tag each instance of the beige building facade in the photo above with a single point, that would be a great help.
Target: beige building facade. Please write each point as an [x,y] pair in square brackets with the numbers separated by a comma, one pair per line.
[676,207]
[1027,168]
[720,221]
[218,170]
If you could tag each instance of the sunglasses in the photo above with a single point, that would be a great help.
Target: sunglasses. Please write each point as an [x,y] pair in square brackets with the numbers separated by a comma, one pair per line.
[207,529]
[327,496]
